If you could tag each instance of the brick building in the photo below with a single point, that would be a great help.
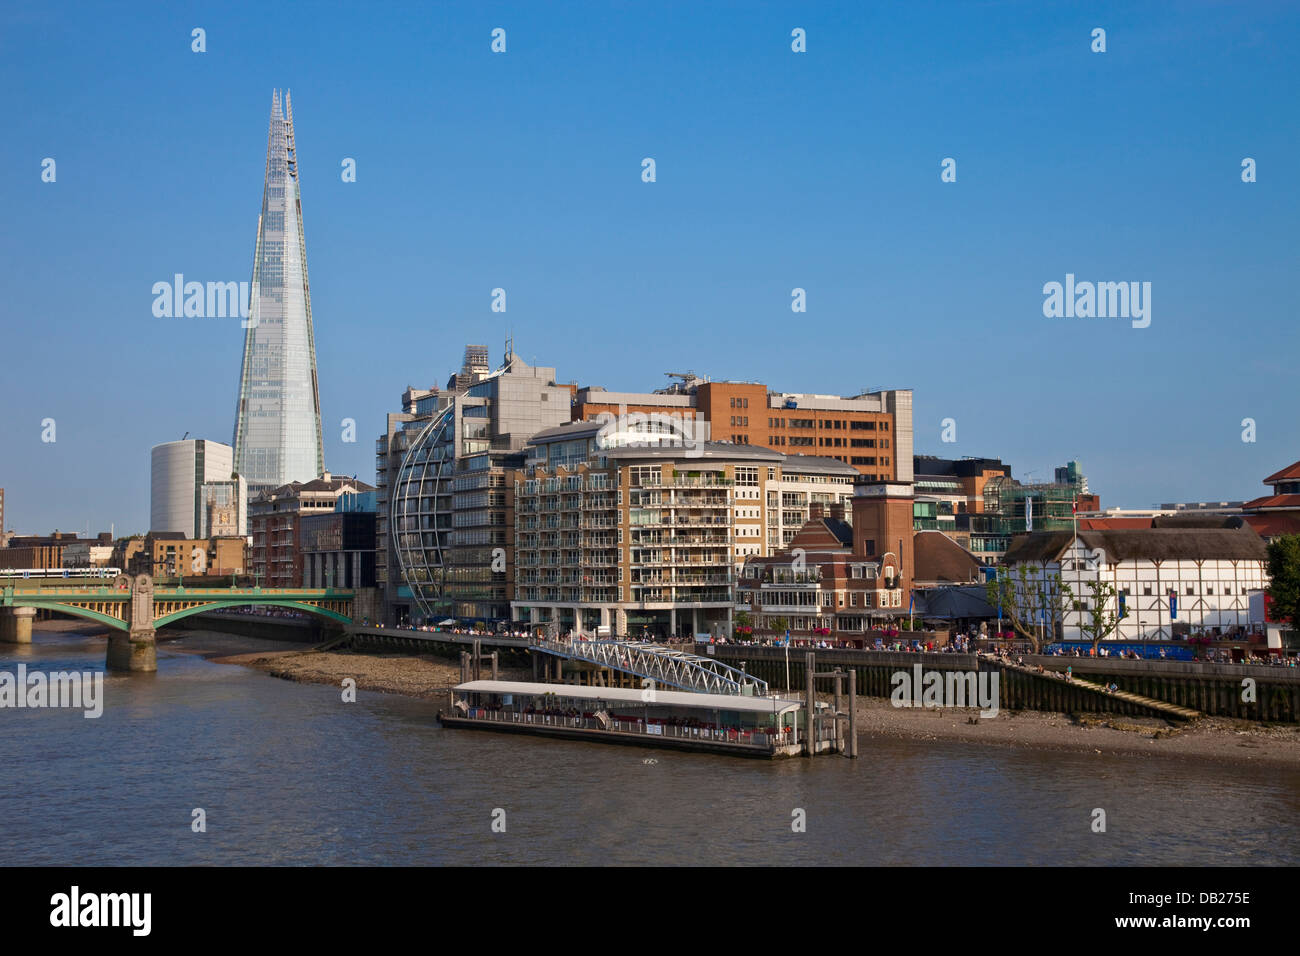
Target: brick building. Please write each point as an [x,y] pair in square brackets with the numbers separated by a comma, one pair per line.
[274,517]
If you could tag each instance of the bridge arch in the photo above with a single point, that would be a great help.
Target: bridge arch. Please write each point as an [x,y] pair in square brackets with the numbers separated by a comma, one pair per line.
[215,605]
[72,611]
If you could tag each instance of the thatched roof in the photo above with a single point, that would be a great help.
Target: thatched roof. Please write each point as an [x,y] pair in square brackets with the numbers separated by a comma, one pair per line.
[1150,544]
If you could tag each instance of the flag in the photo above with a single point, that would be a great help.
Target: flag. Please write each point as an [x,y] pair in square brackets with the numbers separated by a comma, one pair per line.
[911,601]
[1074,506]
[1029,514]
[1173,604]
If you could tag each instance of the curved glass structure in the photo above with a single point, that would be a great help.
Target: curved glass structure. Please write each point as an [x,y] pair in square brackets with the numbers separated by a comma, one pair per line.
[420,519]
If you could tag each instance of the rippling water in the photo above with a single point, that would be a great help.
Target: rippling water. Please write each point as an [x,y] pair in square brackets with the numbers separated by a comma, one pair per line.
[288,774]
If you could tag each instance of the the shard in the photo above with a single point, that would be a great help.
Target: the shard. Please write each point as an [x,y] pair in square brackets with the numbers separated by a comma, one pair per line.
[277,423]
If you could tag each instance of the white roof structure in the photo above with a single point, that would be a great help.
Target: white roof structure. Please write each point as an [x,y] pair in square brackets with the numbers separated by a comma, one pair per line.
[632,695]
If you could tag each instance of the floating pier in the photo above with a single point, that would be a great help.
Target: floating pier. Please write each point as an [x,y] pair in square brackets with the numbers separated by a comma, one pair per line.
[732,724]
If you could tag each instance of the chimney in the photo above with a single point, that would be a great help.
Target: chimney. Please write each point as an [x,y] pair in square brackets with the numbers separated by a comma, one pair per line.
[837,510]
[816,511]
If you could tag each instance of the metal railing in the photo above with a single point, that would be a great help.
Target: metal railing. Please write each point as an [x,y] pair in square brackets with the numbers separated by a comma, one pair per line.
[743,738]
[665,666]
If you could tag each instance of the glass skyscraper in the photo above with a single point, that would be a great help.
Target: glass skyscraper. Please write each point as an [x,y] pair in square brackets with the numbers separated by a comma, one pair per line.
[277,423]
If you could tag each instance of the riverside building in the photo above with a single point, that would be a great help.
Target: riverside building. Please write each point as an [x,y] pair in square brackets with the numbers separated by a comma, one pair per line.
[1191,575]
[845,572]
[625,530]
[275,517]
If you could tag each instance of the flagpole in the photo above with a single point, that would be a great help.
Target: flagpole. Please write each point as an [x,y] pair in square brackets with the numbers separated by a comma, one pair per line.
[787,660]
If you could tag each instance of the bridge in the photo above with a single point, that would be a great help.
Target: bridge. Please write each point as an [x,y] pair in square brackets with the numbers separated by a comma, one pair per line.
[135,608]
[666,666]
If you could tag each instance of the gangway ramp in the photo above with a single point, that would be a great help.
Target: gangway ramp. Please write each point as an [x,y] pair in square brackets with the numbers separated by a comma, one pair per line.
[666,666]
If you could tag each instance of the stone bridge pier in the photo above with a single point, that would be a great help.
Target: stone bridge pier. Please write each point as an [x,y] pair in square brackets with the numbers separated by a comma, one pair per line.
[136,648]
[16,625]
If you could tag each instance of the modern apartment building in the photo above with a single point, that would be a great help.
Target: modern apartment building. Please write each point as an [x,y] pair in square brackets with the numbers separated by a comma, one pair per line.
[274,518]
[806,483]
[633,533]
[621,525]
[872,432]
[445,488]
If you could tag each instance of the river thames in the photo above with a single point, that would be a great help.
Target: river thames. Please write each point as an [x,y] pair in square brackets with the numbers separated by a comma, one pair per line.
[287,773]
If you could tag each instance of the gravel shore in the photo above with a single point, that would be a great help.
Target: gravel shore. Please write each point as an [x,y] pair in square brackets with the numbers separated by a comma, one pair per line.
[1211,738]
[412,675]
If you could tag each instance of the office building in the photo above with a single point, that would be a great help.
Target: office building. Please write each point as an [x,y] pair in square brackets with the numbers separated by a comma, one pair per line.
[447,491]
[277,419]
[179,470]
[871,431]
[274,519]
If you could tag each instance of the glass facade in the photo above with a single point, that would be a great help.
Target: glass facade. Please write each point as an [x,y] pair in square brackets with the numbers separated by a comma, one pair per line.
[277,423]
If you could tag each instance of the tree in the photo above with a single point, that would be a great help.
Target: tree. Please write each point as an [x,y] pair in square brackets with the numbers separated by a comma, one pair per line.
[743,623]
[1025,601]
[1284,579]
[1096,622]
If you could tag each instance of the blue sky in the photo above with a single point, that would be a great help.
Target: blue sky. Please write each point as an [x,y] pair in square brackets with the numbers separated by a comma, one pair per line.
[775,170]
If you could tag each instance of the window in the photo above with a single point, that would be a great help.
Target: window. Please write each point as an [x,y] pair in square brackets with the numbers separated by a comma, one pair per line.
[1146,589]
[1189,589]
